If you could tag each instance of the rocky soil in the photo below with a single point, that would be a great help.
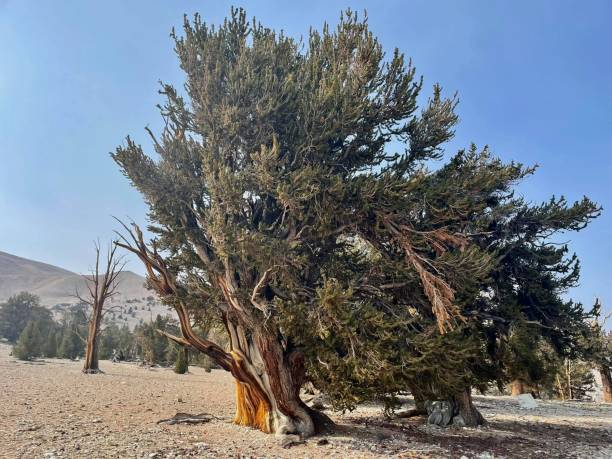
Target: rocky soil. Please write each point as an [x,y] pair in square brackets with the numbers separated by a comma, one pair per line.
[49,409]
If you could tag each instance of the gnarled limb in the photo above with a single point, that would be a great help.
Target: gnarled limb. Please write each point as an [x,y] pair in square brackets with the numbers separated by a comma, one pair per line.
[268,379]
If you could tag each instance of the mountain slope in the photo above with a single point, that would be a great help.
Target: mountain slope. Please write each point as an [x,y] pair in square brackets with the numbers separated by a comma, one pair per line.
[56,285]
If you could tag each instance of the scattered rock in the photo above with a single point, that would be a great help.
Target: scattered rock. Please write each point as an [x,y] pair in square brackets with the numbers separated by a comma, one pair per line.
[441,412]
[526,401]
[186,418]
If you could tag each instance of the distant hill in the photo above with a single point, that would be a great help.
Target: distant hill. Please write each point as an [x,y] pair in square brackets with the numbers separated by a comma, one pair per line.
[57,286]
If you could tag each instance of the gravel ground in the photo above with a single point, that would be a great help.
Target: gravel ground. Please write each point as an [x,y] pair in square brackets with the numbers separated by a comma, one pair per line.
[49,409]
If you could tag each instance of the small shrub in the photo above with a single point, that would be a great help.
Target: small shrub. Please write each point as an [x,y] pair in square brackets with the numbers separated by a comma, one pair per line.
[181,365]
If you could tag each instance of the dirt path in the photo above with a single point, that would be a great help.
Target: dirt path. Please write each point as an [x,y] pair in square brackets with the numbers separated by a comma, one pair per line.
[50,409]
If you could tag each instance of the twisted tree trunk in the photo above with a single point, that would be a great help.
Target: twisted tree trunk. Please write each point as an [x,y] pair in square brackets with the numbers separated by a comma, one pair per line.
[419,409]
[268,383]
[466,409]
[268,375]
[268,380]
[91,346]
[606,382]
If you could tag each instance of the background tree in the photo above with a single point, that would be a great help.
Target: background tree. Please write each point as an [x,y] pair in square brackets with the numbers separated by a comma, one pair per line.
[16,312]
[117,342]
[29,344]
[101,287]
[108,341]
[153,345]
[597,349]
[181,366]
[73,330]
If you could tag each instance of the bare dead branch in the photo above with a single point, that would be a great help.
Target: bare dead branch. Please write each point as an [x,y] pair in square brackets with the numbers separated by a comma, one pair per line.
[164,283]
[176,339]
[101,287]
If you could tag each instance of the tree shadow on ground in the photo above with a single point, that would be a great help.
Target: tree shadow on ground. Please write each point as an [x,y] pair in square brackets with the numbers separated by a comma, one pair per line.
[501,438]
[31,362]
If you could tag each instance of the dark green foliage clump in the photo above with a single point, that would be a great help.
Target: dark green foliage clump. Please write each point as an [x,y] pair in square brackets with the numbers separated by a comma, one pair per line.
[44,337]
[30,343]
[117,342]
[39,335]
[181,366]
[155,348]
[73,330]
[16,312]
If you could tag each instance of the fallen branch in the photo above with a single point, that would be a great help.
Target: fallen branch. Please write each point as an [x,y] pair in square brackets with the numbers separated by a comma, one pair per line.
[186,418]
[411,413]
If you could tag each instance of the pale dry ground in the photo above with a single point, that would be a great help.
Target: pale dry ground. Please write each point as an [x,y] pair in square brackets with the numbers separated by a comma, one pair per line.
[50,409]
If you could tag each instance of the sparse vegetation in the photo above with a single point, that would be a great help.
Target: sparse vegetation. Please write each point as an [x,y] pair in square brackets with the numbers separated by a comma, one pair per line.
[181,366]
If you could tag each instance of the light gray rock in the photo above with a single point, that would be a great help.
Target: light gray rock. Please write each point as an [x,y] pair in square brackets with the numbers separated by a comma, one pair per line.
[441,412]
[526,401]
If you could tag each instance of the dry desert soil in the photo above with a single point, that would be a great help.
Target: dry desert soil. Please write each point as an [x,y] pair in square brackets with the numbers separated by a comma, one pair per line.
[49,409]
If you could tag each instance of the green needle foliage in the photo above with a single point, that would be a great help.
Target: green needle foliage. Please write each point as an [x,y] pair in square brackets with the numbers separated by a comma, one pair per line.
[298,173]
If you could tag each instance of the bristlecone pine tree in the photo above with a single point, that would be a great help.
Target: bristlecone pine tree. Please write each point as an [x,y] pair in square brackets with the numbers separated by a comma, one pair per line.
[101,286]
[281,210]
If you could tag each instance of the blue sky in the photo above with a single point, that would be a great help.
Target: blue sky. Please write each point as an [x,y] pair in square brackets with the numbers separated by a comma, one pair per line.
[534,79]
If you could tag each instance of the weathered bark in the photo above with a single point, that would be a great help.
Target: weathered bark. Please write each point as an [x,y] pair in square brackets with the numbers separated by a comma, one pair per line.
[517,387]
[268,384]
[606,382]
[466,409]
[560,389]
[568,373]
[91,346]
[268,376]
